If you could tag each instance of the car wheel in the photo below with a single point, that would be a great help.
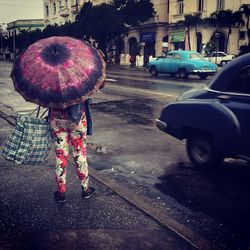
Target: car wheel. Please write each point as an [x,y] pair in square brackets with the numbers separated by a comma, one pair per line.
[201,151]
[183,73]
[153,71]
[203,76]
[223,63]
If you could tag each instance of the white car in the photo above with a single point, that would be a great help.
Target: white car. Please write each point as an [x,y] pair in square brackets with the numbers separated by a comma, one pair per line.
[220,58]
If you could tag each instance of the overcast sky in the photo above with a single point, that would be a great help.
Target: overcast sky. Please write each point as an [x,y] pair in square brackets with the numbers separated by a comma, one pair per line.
[11,10]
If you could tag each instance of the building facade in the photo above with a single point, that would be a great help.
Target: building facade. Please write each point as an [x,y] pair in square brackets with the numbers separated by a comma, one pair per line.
[205,31]
[17,26]
[164,31]
[61,11]
[152,35]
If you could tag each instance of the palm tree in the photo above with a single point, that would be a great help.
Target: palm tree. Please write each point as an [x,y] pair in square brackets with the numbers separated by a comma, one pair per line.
[227,19]
[245,8]
[238,20]
[233,19]
[189,22]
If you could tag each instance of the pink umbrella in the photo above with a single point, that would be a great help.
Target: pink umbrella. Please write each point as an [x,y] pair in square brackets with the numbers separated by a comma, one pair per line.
[57,72]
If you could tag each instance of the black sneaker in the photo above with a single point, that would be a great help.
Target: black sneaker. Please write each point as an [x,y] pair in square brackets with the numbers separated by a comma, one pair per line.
[88,193]
[59,197]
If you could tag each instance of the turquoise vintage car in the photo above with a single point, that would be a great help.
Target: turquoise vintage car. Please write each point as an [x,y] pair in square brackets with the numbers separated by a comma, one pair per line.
[183,63]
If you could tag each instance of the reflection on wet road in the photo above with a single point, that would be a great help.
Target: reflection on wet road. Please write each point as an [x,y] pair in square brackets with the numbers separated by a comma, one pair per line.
[162,83]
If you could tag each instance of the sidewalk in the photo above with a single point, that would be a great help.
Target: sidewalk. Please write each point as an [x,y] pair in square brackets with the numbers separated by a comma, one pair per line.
[31,219]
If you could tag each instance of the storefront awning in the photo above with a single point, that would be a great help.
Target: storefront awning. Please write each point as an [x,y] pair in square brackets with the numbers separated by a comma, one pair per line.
[177,36]
[147,37]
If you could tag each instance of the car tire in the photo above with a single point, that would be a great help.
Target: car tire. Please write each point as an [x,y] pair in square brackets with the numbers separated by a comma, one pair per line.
[153,71]
[183,73]
[223,63]
[203,76]
[201,151]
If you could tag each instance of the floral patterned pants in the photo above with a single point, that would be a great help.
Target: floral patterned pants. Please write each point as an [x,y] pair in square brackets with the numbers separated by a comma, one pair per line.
[66,131]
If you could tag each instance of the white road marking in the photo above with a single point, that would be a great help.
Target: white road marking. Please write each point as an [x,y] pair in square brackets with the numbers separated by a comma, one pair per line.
[110,80]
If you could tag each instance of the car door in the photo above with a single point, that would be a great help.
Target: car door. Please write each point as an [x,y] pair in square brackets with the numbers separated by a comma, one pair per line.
[175,61]
[238,100]
[164,63]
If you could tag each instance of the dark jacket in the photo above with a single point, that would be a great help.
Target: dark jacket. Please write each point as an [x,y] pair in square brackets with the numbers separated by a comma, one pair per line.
[74,113]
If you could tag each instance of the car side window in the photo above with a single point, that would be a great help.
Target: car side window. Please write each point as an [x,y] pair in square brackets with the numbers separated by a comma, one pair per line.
[177,56]
[170,56]
[241,84]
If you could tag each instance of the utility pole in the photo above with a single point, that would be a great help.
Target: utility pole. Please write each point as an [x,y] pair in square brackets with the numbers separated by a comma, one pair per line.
[76,7]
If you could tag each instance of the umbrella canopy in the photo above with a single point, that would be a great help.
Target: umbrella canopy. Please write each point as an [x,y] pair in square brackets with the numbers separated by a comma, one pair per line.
[57,72]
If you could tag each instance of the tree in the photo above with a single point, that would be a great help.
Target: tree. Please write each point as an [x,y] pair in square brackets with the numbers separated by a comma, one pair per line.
[227,19]
[26,38]
[107,23]
[134,12]
[189,22]
[245,8]
[101,22]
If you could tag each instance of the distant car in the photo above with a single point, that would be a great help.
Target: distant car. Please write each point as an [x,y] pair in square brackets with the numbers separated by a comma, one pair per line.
[183,63]
[220,58]
[215,119]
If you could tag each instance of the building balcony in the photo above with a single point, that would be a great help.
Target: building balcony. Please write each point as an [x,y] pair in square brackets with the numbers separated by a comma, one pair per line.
[64,12]
[177,17]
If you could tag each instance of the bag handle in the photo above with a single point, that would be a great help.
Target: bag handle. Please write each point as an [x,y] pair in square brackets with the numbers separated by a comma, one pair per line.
[38,109]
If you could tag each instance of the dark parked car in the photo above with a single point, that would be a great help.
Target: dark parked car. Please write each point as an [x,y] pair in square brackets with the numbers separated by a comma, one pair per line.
[215,120]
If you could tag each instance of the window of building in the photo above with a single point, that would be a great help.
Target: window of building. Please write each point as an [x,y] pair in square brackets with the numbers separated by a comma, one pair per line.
[200,5]
[60,4]
[220,4]
[180,6]
[47,10]
[54,7]
[168,6]
[66,3]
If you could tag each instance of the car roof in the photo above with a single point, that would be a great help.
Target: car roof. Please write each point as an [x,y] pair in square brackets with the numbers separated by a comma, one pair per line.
[184,52]
[229,71]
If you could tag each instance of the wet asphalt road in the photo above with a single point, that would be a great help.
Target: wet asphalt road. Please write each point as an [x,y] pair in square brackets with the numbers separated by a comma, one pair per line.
[215,204]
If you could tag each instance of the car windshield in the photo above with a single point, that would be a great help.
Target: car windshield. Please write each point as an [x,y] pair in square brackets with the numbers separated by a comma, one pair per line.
[195,56]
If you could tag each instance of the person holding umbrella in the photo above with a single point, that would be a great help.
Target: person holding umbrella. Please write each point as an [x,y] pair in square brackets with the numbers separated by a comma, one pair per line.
[60,73]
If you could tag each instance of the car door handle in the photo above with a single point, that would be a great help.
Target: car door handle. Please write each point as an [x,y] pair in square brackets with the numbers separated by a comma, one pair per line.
[224,98]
